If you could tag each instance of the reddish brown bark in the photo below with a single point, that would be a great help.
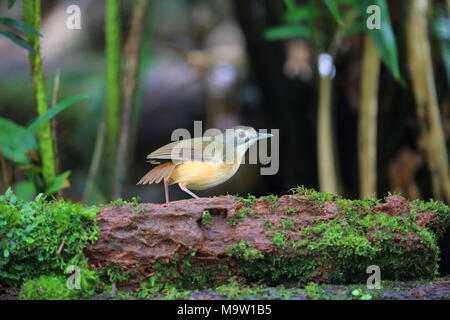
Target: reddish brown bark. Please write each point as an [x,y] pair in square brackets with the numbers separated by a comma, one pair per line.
[138,236]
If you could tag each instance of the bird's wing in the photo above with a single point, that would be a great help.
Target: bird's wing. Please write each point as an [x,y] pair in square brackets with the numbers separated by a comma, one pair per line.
[199,149]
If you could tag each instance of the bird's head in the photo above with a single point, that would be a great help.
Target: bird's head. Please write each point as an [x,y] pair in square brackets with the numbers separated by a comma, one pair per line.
[240,138]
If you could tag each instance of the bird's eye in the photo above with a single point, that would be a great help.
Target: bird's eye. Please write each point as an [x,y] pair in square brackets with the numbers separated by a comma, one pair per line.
[241,135]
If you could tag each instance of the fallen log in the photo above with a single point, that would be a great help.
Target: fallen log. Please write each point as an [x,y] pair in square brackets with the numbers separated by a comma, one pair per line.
[306,236]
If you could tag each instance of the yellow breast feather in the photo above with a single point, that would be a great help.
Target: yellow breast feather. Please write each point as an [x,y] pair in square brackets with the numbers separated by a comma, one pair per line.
[199,175]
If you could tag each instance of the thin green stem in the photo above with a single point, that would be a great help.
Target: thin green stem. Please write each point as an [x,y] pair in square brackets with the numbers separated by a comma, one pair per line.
[113,89]
[32,12]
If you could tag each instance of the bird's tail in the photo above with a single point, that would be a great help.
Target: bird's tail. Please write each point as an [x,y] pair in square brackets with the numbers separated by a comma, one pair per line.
[162,171]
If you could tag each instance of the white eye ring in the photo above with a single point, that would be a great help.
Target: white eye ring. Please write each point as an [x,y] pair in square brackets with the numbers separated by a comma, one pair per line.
[241,134]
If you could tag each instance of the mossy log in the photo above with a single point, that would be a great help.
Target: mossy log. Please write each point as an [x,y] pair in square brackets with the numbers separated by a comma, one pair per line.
[307,236]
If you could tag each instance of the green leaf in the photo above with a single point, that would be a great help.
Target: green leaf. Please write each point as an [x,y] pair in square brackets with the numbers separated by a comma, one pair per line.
[302,14]
[17,40]
[11,3]
[290,4]
[25,190]
[356,27]
[51,113]
[60,182]
[356,292]
[287,32]
[384,38]
[10,133]
[331,4]
[18,25]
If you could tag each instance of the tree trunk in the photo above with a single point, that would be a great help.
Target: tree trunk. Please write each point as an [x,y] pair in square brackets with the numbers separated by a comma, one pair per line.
[307,236]
[432,140]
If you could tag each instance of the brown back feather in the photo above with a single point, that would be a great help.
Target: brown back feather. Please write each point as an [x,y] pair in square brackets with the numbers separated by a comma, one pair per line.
[158,173]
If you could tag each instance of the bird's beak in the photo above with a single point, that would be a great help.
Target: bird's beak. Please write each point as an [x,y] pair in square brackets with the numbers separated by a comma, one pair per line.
[264,136]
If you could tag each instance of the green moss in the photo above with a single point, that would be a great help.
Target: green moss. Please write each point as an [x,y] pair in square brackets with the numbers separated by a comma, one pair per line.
[442,221]
[116,274]
[181,274]
[120,202]
[334,251]
[269,225]
[286,223]
[275,206]
[52,287]
[344,245]
[247,212]
[206,217]
[176,294]
[270,198]
[139,209]
[291,211]
[283,294]
[56,286]
[244,212]
[235,291]
[241,214]
[340,250]
[250,200]
[313,194]
[159,281]
[243,250]
[279,238]
[361,295]
[314,292]
[41,237]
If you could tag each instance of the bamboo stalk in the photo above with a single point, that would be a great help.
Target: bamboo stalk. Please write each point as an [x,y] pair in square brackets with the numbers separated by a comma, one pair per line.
[32,12]
[56,84]
[328,179]
[327,154]
[129,84]
[431,140]
[146,53]
[327,157]
[113,89]
[367,125]
[95,162]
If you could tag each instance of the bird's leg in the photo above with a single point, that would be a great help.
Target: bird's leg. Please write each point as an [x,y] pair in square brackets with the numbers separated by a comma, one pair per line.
[166,189]
[188,191]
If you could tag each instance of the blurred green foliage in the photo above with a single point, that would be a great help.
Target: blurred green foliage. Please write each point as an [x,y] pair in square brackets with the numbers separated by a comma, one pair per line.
[303,22]
[18,29]
[17,144]
[11,3]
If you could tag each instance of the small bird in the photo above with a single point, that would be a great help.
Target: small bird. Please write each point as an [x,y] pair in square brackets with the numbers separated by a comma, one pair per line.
[203,162]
